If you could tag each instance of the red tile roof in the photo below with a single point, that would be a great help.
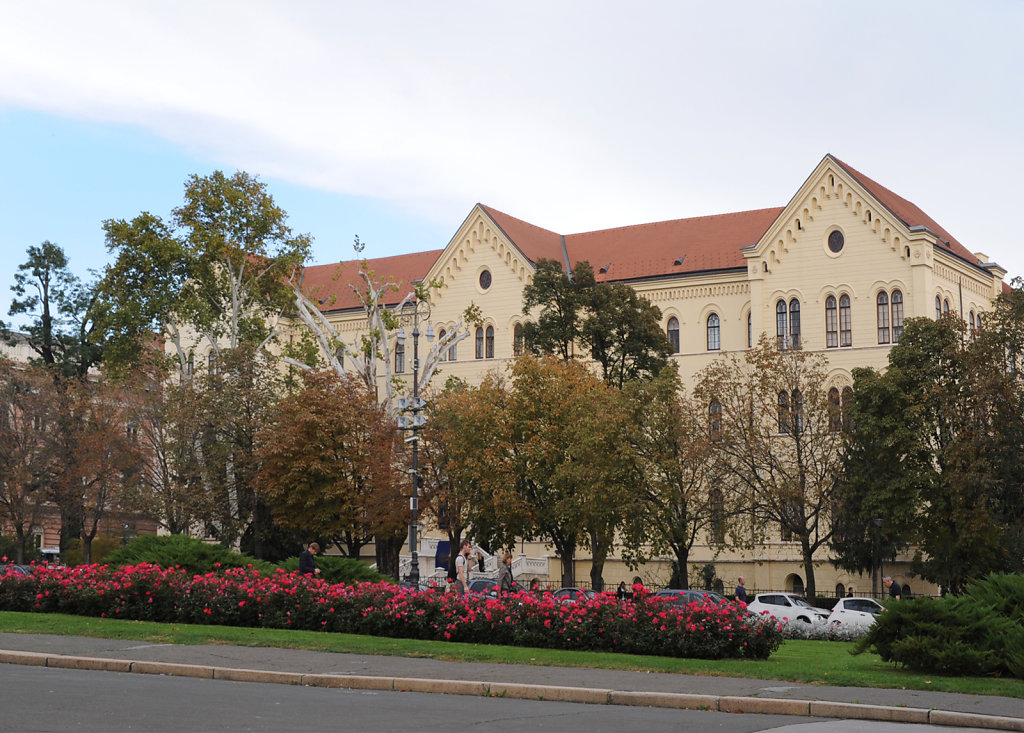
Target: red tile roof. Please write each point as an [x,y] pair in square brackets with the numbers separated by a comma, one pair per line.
[328,285]
[908,213]
[535,243]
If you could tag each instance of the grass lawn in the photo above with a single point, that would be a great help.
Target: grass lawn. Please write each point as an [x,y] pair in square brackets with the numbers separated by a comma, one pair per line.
[814,662]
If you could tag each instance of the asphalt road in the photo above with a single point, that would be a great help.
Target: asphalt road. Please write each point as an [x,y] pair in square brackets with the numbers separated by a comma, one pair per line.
[38,699]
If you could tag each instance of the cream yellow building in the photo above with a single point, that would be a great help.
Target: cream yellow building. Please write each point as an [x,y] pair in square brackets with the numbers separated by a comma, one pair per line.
[838,269]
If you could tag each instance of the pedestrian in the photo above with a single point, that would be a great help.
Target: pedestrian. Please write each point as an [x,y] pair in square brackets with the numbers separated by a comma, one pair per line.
[535,586]
[895,593]
[622,594]
[741,589]
[638,589]
[307,561]
[462,568]
[849,592]
[506,583]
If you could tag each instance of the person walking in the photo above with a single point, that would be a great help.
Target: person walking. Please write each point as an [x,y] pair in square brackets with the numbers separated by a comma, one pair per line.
[741,589]
[506,583]
[895,593]
[307,561]
[462,568]
[622,594]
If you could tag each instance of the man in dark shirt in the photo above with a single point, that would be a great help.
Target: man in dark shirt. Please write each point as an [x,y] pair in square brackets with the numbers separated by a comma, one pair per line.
[741,589]
[307,563]
[894,588]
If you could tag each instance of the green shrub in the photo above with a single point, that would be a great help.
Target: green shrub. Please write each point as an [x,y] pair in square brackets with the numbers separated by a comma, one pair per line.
[191,554]
[8,549]
[978,633]
[336,569]
[103,546]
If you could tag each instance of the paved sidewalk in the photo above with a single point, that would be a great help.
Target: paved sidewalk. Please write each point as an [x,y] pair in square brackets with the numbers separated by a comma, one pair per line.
[728,694]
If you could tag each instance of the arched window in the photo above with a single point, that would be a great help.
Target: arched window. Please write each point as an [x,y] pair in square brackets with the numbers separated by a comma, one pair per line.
[794,323]
[440,337]
[453,352]
[835,411]
[883,317]
[399,357]
[750,330]
[845,321]
[339,354]
[897,316]
[490,342]
[517,339]
[781,323]
[938,307]
[480,342]
[714,333]
[847,407]
[945,306]
[715,420]
[211,362]
[831,323]
[673,334]
[783,411]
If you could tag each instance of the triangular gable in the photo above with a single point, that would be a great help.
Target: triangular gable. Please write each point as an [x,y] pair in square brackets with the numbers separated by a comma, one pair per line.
[534,242]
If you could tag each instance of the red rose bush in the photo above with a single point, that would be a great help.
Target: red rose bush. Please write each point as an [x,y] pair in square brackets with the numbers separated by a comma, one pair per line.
[244,597]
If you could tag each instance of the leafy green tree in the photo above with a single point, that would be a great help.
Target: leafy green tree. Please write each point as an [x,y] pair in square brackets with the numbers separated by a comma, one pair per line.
[778,448]
[62,330]
[678,499]
[562,299]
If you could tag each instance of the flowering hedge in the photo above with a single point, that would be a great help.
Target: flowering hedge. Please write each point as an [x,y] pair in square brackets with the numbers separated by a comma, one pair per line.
[244,597]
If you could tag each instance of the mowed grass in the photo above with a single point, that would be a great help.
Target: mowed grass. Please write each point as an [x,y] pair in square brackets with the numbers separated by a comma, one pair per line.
[813,662]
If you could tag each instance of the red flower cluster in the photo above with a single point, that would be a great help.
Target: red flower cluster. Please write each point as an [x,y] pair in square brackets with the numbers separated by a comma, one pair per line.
[244,597]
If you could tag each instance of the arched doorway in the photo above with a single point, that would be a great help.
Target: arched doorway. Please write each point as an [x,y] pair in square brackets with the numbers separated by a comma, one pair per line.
[795,584]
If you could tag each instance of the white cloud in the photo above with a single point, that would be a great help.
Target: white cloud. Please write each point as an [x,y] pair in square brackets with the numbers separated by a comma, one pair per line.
[572,115]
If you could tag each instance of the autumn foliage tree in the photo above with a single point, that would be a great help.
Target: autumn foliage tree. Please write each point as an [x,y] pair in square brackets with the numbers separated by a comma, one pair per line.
[327,455]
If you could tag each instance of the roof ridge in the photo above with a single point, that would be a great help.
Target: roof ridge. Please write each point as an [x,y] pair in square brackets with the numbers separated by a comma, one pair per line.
[673,221]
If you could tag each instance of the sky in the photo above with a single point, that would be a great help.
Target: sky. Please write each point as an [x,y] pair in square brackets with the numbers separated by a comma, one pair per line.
[390,120]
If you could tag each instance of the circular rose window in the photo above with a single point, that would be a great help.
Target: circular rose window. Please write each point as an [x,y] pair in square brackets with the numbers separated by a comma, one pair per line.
[485,279]
[836,241]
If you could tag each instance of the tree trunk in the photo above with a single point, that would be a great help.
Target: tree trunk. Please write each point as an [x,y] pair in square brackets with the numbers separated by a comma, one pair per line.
[596,577]
[810,590]
[680,568]
[388,551]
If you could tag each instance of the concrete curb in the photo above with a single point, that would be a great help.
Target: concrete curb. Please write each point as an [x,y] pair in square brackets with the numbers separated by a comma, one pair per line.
[553,693]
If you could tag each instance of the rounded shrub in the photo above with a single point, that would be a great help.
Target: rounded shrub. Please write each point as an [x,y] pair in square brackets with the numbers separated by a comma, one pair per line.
[188,553]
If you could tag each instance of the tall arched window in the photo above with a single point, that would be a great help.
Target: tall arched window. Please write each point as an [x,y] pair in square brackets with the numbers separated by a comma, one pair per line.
[517,339]
[794,323]
[897,315]
[191,363]
[845,321]
[715,420]
[714,333]
[945,306]
[453,352]
[883,317]
[781,323]
[750,330]
[490,342]
[831,323]
[673,334]
[783,411]
[938,307]
[480,342]
[440,337]
[399,357]
[835,411]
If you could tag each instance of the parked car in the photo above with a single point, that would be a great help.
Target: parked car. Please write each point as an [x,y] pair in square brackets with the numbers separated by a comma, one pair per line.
[484,586]
[787,607]
[682,597]
[855,613]
[15,569]
[573,595]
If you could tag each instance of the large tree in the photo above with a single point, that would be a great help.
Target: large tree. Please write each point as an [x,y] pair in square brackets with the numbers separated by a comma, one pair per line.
[778,444]
[325,451]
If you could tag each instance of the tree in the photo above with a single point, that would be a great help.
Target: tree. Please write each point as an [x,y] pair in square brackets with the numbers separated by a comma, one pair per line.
[678,497]
[325,451]
[25,410]
[779,450]
[63,330]
[562,298]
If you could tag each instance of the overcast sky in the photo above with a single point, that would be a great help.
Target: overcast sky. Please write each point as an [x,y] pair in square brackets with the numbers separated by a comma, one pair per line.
[391,119]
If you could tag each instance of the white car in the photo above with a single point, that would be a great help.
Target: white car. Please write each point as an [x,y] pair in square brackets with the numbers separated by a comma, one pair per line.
[787,607]
[855,613]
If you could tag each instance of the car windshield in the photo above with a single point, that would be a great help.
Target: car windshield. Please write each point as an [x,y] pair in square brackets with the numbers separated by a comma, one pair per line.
[800,602]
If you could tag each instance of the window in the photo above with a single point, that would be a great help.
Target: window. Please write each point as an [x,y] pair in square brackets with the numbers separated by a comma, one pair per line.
[945,307]
[191,364]
[453,352]
[897,316]
[339,354]
[780,323]
[479,343]
[485,279]
[938,308]
[714,333]
[845,321]
[835,411]
[750,330]
[673,334]
[517,339]
[399,357]
[794,323]
[490,342]
[783,411]
[831,323]
[847,406]
[715,420]
[440,339]
[883,317]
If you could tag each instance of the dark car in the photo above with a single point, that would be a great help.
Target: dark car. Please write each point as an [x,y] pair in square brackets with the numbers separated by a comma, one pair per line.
[573,595]
[15,569]
[682,597]
[484,586]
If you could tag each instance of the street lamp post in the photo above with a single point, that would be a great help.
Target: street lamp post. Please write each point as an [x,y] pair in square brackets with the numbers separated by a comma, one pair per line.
[412,311]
